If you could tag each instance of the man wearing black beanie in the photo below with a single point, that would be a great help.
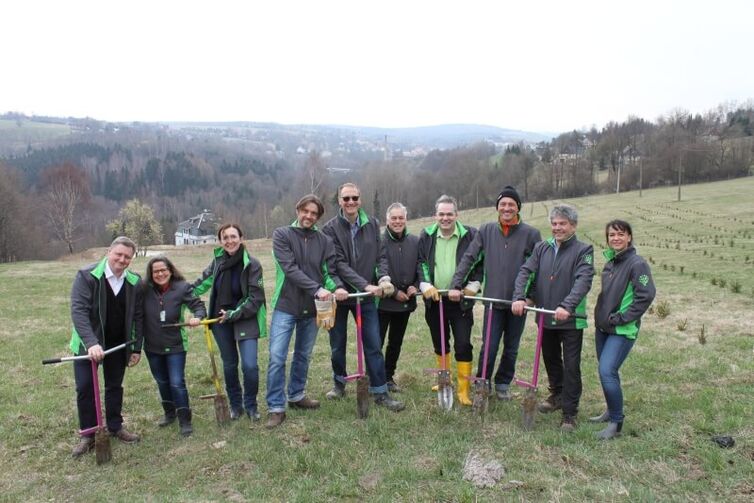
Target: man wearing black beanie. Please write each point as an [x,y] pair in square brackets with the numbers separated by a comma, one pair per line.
[501,248]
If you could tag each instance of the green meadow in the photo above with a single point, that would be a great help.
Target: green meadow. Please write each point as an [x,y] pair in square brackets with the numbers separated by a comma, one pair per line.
[689,377]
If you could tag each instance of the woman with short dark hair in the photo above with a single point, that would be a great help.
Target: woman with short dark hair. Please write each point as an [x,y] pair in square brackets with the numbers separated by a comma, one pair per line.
[627,292]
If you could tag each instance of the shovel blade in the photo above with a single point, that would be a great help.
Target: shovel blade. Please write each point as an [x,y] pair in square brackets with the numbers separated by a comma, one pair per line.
[529,409]
[445,397]
[481,400]
[362,398]
[102,451]
[444,390]
[222,411]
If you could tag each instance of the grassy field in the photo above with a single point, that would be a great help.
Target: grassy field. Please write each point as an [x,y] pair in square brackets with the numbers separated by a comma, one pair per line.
[689,377]
[29,132]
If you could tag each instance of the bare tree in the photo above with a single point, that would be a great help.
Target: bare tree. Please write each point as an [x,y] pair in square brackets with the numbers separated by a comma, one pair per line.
[316,171]
[65,192]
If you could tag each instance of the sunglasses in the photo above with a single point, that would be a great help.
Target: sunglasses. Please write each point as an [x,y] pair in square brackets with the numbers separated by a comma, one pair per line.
[348,199]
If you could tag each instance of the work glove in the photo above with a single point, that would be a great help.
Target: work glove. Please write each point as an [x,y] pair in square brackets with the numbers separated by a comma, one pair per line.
[388,289]
[431,293]
[471,289]
[325,313]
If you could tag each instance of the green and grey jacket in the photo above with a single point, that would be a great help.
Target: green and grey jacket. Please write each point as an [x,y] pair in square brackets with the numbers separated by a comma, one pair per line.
[627,292]
[249,317]
[402,258]
[89,309]
[178,297]
[561,277]
[361,261]
[499,256]
[305,261]
[427,245]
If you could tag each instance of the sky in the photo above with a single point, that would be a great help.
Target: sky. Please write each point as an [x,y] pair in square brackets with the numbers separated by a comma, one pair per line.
[534,65]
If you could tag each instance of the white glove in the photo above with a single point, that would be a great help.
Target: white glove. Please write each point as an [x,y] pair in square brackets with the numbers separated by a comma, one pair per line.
[471,289]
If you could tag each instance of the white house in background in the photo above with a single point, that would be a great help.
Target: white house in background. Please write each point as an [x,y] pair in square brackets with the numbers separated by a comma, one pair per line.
[198,230]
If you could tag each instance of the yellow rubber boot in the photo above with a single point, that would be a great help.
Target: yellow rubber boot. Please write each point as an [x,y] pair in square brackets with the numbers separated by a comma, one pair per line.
[439,366]
[464,371]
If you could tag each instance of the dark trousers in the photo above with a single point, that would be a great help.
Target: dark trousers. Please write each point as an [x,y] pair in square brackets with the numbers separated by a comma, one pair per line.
[508,327]
[396,322]
[113,370]
[561,352]
[459,321]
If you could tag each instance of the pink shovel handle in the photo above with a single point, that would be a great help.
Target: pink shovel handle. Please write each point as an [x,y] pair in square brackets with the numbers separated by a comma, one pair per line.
[359,346]
[97,402]
[487,342]
[443,366]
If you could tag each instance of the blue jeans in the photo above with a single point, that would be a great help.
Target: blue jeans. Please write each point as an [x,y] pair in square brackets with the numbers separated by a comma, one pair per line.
[229,351]
[168,370]
[508,327]
[370,334]
[281,331]
[612,351]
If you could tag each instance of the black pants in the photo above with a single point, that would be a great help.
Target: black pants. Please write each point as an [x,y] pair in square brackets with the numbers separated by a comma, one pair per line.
[459,321]
[114,368]
[561,351]
[396,322]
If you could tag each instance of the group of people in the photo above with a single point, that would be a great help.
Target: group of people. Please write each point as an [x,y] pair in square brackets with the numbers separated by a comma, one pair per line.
[317,271]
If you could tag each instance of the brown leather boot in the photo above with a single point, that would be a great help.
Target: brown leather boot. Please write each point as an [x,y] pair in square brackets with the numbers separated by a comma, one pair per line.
[305,403]
[85,445]
[275,419]
[125,436]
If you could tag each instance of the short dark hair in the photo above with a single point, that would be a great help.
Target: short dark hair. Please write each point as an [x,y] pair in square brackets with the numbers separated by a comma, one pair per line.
[228,226]
[175,274]
[308,199]
[618,225]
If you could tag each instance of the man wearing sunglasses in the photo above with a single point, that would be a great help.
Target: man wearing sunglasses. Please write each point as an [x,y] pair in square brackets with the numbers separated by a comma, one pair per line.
[362,265]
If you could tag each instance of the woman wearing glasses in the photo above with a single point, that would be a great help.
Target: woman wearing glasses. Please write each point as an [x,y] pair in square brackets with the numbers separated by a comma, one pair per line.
[165,296]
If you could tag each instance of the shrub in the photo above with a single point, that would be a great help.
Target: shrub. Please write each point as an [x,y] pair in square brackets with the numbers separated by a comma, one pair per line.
[735,286]
[663,309]
[682,324]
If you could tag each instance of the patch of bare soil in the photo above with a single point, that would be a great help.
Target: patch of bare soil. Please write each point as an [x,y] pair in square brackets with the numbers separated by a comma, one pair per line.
[481,471]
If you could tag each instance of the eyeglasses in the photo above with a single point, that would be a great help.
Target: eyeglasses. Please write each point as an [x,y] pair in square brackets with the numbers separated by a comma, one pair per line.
[348,199]
[160,271]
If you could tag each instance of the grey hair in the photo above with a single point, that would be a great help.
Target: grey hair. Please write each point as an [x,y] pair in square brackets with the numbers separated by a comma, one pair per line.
[446,199]
[123,240]
[565,211]
[395,206]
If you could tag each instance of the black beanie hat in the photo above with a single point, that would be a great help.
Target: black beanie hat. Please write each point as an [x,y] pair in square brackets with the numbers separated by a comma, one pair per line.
[509,191]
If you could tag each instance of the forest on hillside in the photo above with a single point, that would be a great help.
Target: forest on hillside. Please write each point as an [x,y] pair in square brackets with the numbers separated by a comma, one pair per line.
[60,186]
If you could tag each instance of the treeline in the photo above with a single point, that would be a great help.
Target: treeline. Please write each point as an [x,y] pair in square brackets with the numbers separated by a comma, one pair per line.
[621,156]
[178,176]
